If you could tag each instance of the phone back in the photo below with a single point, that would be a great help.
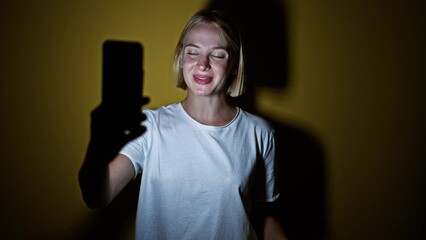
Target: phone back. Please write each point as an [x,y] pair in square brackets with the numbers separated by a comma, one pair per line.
[122,72]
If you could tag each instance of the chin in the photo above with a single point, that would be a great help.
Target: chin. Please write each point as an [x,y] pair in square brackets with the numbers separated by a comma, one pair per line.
[202,92]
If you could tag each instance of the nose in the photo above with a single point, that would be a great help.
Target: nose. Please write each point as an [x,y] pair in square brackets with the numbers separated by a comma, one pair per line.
[203,63]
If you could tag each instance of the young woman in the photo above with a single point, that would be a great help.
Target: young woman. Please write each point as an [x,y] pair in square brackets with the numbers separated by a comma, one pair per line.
[202,160]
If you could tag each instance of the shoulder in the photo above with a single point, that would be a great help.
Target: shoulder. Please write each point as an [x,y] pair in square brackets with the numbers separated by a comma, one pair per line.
[167,110]
[163,115]
[256,121]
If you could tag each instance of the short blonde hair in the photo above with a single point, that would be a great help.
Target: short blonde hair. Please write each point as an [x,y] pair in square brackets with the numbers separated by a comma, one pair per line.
[235,79]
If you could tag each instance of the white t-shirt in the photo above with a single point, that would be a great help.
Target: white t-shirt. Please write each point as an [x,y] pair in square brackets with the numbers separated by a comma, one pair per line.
[198,181]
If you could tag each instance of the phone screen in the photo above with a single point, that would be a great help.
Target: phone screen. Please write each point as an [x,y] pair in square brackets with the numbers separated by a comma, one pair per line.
[122,72]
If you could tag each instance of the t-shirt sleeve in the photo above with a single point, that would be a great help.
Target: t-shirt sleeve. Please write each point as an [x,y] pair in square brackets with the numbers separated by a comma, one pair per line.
[265,185]
[270,161]
[132,150]
[135,150]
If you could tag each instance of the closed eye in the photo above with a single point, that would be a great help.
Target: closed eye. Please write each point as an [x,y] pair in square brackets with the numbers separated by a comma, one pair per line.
[219,56]
[191,51]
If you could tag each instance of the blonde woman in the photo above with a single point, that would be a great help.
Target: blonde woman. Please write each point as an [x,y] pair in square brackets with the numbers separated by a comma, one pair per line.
[203,161]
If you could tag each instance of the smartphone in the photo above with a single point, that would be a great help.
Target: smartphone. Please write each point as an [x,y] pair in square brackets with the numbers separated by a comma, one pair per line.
[122,72]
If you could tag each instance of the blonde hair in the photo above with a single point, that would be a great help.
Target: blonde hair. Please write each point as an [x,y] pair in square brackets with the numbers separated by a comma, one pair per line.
[235,80]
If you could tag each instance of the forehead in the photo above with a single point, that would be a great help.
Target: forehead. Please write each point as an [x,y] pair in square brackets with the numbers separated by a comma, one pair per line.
[207,34]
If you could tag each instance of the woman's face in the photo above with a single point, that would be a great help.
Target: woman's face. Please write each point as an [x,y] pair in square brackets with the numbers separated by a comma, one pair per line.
[205,60]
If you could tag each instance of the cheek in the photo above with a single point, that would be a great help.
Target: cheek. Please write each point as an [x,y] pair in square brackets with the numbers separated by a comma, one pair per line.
[221,67]
[187,68]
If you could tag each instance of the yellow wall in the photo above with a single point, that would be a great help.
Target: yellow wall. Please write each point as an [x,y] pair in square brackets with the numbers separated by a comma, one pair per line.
[356,80]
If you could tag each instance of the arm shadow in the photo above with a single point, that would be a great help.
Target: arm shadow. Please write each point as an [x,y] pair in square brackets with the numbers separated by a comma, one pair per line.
[114,221]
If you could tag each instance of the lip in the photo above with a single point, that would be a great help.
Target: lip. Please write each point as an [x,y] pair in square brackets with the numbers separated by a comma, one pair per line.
[202,79]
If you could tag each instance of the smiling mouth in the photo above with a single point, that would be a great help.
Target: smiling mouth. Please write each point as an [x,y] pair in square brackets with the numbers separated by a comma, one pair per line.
[202,79]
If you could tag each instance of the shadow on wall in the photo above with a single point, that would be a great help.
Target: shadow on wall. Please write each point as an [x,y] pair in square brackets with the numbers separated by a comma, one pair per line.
[301,207]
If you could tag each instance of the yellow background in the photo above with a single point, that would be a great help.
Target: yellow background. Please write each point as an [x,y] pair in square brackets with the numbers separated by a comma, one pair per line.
[356,80]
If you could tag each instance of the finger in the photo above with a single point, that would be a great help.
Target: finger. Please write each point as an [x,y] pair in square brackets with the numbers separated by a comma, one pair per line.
[145,100]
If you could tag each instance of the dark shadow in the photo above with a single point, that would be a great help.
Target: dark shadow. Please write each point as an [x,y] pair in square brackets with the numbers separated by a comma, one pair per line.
[300,157]
[301,206]
[113,221]
[119,111]
[265,43]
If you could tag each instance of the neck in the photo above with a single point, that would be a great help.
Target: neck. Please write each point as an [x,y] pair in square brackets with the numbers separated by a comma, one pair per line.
[209,111]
